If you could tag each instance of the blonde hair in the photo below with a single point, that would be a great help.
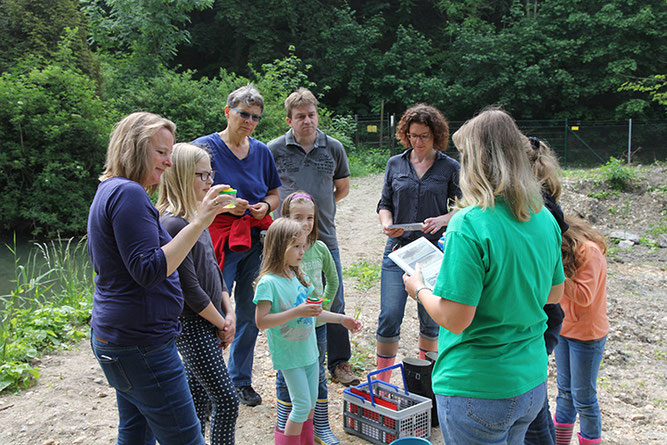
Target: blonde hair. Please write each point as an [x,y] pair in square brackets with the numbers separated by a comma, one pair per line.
[299,98]
[573,239]
[494,163]
[176,192]
[545,166]
[128,153]
[303,198]
[282,234]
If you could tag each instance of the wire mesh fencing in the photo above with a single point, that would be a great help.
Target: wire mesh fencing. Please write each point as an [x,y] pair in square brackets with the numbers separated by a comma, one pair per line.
[577,143]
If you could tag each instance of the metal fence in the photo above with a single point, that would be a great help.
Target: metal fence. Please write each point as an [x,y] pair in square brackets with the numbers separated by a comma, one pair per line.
[577,143]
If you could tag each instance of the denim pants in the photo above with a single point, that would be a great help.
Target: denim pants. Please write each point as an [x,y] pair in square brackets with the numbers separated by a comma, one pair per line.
[542,431]
[338,338]
[578,363]
[471,421]
[240,271]
[392,303]
[282,392]
[152,393]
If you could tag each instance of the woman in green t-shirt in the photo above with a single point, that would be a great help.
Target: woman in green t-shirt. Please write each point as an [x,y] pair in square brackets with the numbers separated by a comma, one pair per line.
[502,264]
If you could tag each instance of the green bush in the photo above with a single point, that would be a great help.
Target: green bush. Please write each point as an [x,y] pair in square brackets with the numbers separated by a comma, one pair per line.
[366,161]
[618,175]
[53,130]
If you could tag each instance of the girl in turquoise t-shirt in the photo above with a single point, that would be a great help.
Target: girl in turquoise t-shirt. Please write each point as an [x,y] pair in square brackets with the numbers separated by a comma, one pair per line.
[281,296]
[319,266]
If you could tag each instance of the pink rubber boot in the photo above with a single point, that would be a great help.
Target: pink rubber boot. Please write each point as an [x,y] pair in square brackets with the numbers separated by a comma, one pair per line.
[280,438]
[584,441]
[307,433]
[563,432]
[384,362]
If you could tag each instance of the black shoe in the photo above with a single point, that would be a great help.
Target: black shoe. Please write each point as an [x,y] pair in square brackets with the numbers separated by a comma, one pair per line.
[248,396]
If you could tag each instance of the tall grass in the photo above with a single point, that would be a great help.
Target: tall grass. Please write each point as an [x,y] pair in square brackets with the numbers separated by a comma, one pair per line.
[48,307]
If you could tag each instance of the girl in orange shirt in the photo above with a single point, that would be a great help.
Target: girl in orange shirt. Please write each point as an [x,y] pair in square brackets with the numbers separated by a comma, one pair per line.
[584,333]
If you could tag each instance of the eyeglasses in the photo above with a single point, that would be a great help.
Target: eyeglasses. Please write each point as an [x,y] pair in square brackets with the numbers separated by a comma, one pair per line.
[422,137]
[246,115]
[205,176]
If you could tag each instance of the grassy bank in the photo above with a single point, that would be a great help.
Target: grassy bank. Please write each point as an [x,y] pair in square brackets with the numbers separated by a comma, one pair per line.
[48,308]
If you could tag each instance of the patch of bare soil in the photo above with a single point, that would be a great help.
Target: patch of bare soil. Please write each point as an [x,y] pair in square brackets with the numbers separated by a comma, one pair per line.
[72,403]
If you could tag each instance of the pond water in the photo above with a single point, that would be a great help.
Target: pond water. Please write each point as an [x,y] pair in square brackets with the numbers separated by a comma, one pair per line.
[28,254]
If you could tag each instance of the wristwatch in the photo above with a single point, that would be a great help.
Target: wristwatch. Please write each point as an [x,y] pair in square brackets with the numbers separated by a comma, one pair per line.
[417,293]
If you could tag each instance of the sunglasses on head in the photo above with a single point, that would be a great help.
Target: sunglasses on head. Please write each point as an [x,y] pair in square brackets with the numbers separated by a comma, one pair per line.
[246,115]
[534,142]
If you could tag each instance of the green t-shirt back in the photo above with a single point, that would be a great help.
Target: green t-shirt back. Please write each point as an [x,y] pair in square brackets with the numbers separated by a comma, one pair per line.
[506,269]
[293,344]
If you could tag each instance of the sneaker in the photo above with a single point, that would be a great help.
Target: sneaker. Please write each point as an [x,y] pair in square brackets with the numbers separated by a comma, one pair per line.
[248,396]
[343,374]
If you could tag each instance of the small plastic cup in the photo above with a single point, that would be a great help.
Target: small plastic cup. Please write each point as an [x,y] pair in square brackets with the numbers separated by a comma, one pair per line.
[314,299]
[231,192]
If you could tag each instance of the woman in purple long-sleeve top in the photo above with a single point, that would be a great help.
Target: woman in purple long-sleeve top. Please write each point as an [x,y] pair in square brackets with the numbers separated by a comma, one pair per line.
[137,297]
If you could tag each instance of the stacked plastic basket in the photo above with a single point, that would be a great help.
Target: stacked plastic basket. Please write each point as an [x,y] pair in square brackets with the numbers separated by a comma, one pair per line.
[381,412]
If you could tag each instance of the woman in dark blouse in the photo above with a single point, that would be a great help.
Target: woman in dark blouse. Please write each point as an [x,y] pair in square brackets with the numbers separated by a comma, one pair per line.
[418,187]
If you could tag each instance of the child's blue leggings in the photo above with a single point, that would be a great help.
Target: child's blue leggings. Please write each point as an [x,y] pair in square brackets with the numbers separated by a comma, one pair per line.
[302,387]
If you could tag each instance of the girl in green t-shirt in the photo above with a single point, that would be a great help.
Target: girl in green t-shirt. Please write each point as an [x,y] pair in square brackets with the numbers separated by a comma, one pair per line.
[282,294]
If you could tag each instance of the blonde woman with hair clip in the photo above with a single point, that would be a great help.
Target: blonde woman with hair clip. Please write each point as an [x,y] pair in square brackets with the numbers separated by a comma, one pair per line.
[207,318]
[138,296]
[501,265]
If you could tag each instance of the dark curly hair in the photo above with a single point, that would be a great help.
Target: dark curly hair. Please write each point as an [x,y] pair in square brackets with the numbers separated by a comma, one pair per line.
[428,115]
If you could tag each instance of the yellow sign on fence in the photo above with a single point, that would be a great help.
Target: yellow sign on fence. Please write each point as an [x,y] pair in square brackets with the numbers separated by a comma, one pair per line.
[575,128]
[371,128]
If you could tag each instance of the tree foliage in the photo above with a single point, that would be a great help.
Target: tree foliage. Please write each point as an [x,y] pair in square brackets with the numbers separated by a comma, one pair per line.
[54,131]
[34,27]
[150,30]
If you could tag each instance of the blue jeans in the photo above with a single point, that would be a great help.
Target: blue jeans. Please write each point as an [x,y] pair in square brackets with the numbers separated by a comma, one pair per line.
[338,338]
[471,421]
[542,431]
[153,397]
[241,269]
[282,392]
[392,303]
[578,363]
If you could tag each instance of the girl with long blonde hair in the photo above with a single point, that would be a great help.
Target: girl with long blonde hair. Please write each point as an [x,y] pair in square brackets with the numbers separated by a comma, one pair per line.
[208,318]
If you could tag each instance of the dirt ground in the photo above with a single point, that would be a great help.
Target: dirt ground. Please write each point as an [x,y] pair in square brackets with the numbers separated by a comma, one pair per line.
[72,403]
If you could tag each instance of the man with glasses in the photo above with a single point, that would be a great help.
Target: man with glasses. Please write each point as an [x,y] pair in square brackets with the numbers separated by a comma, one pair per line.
[309,160]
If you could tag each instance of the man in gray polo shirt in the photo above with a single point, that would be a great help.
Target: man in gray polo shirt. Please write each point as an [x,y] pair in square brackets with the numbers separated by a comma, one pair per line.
[309,160]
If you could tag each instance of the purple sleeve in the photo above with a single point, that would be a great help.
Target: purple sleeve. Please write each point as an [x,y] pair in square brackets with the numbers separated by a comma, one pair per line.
[137,233]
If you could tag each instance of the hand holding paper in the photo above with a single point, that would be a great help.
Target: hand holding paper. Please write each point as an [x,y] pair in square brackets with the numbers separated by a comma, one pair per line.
[414,281]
